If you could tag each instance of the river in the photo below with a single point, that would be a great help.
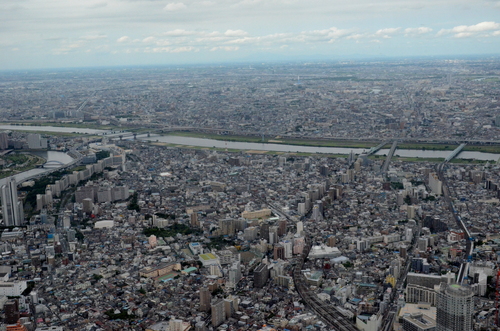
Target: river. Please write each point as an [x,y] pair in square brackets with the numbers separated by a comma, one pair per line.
[43,128]
[47,155]
[202,142]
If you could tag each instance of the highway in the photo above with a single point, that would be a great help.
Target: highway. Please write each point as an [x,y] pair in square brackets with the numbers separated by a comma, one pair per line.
[375,149]
[455,153]
[385,167]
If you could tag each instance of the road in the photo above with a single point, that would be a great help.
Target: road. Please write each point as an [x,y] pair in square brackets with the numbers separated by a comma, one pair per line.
[385,167]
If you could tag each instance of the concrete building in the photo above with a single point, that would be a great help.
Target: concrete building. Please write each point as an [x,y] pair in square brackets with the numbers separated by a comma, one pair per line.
[455,306]
[418,322]
[205,298]
[218,313]
[12,208]
[256,214]
[435,184]
[35,141]
[261,275]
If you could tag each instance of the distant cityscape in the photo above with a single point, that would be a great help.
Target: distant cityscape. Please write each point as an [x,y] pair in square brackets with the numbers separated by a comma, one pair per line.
[131,200]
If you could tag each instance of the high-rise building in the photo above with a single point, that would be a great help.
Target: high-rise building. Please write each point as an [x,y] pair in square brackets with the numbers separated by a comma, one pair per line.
[264,231]
[455,306]
[435,184]
[12,208]
[35,141]
[218,313]
[11,309]
[4,140]
[205,298]
[234,273]
[260,275]
[230,306]
[300,228]
[279,252]
[194,220]
[281,228]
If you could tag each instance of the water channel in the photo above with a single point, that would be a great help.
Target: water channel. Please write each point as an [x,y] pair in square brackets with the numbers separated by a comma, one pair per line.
[202,142]
[43,128]
[61,157]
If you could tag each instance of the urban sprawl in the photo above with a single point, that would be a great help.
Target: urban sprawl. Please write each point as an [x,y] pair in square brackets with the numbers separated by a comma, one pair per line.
[108,227]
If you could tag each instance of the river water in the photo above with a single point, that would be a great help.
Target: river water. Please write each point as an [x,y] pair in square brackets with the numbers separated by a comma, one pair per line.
[202,142]
[43,128]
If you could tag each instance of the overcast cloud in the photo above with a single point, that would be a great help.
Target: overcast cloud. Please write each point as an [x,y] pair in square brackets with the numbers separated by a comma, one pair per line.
[75,33]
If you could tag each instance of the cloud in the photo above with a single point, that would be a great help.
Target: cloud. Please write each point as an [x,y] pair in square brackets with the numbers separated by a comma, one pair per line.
[480,27]
[148,40]
[235,33]
[463,31]
[184,49]
[225,48]
[417,31]
[355,36]
[329,35]
[174,6]
[178,33]
[123,39]
[387,31]
[463,35]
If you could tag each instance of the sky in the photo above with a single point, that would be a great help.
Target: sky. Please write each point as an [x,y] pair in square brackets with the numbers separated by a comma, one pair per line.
[82,33]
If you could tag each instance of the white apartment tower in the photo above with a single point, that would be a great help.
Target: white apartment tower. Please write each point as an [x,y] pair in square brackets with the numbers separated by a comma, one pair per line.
[455,306]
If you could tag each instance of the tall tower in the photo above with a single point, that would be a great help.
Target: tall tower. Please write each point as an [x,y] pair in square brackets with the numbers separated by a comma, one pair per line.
[205,298]
[218,313]
[12,208]
[455,306]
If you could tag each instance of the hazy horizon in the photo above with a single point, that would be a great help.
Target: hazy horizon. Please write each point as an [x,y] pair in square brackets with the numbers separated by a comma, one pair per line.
[102,33]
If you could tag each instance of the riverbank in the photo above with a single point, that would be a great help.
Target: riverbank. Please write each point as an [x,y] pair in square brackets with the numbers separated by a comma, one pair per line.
[277,140]
[20,162]
[327,142]
[372,157]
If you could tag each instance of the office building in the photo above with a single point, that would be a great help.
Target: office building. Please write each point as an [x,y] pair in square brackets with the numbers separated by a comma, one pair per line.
[261,275]
[455,306]
[281,228]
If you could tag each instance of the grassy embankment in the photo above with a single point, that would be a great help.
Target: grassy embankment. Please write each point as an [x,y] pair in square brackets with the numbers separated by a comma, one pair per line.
[16,163]
[339,143]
